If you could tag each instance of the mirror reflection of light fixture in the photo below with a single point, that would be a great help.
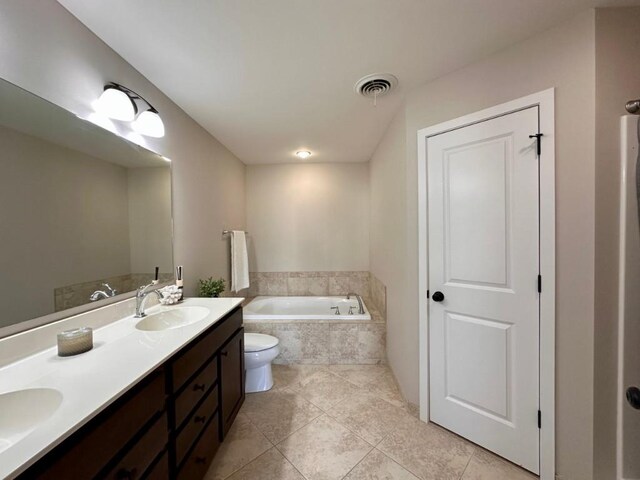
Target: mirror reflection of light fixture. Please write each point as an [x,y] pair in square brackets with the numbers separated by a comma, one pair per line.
[121,103]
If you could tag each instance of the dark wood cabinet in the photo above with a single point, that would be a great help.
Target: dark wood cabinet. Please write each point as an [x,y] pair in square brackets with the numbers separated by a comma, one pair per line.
[167,426]
[232,377]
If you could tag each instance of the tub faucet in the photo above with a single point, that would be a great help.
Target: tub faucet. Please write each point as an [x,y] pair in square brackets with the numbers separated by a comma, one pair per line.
[141,295]
[106,293]
[360,302]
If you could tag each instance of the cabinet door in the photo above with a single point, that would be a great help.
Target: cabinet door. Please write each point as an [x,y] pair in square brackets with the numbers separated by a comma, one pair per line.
[231,379]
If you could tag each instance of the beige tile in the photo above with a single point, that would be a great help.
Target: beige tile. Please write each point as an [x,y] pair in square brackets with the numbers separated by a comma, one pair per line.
[243,444]
[386,388]
[360,375]
[287,375]
[343,343]
[487,466]
[427,451]
[324,450]
[339,285]
[275,283]
[324,389]
[371,343]
[278,413]
[302,342]
[297,285]
[377,466]
[271,465]
[368,416]
[318,285]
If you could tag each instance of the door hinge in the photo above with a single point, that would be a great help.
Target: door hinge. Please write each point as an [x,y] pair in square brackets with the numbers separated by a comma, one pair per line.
[539,419]
[538,137]
[427,294]
[539,283]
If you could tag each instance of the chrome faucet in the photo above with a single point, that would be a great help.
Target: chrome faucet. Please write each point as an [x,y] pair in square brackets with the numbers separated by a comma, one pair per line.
[360,302]
[141,295]
[106,293]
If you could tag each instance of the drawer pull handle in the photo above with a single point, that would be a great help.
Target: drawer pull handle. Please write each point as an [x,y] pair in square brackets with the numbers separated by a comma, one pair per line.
[224,353]
[201,459]
[198,386]
[124,474]
[199,419]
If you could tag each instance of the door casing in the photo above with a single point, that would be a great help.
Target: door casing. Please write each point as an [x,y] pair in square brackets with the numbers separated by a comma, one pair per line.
[545,101]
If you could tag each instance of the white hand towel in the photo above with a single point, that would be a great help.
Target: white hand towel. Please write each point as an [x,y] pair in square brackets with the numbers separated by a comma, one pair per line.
[239,261]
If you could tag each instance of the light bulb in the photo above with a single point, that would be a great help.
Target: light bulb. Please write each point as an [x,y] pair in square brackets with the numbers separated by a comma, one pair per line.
[303,154]
[116,104]
[150,124]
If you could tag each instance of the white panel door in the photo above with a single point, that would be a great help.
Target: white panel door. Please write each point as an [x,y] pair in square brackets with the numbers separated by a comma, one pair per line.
[483,279]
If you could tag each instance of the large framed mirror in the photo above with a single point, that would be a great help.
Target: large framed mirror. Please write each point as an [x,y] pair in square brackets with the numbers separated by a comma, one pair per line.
[85,215]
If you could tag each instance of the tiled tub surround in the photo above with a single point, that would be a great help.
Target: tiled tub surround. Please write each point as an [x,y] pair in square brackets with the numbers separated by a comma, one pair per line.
[308,283]
[318,341]
[319,284]
[327,341]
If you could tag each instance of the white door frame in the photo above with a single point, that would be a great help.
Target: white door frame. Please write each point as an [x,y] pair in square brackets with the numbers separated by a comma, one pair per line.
[545,101]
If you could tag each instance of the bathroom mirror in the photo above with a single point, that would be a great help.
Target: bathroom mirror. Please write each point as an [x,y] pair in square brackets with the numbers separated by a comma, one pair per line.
[85,215]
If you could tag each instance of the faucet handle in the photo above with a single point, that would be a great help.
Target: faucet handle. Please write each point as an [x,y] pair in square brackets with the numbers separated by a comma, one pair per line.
[337,309]
[112,291]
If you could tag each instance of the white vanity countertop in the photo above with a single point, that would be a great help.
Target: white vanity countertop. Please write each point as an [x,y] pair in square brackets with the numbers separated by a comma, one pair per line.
[89,382]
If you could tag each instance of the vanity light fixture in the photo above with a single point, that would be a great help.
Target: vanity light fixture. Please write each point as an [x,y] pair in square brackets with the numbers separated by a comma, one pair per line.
[121,103]
[115,103]
[149,123]
[303,154]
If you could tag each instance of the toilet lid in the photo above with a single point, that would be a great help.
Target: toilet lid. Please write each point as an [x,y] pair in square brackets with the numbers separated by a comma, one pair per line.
[256,342]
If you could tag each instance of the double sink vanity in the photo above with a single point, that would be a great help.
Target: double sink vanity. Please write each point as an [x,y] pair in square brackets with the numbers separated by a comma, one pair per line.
[152,399]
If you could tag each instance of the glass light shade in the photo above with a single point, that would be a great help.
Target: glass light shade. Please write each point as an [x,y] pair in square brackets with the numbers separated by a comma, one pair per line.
[303,154]
[150,124]
[116,104]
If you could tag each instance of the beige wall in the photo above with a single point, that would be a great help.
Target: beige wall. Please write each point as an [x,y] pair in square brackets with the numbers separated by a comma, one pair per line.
[308,217]
[150,219]
[45,50]
[563,57]
[617,81]
[54,231]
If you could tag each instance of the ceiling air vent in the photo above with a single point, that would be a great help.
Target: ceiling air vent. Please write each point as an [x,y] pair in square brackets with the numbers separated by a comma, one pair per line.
[376,85]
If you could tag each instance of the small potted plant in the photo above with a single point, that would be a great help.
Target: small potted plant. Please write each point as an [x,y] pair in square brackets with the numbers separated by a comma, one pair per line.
[211,288]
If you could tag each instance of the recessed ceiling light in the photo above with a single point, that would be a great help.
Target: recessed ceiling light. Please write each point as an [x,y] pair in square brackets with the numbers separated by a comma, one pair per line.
[303,154]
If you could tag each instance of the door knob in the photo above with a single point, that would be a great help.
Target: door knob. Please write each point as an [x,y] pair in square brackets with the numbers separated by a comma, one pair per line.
[437,296]
[633,397]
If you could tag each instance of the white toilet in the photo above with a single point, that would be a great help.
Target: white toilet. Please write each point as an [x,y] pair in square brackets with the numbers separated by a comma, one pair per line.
[259,352]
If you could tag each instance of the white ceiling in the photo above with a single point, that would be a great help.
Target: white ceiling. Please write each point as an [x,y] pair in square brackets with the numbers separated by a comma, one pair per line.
[269,77]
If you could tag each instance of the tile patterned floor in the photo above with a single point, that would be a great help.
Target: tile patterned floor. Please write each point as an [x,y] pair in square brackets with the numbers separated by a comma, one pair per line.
[333,422]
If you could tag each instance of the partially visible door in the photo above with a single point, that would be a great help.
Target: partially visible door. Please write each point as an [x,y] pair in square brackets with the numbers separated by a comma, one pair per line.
[231,379]
[483,275]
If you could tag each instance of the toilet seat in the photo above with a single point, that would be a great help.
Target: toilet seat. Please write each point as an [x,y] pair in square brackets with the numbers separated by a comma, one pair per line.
[258,342]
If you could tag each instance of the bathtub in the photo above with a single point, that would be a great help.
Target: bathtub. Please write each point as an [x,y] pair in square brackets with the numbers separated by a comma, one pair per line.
[304,309]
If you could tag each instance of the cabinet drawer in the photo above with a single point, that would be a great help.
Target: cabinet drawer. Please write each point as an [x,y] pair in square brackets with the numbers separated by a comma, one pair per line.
[160,471]
[192,359]
[93,447]
[141,456]
[195,424]
[197,464]
[195,391]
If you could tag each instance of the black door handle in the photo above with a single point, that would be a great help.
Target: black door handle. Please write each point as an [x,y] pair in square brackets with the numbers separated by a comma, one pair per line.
[633,397]
[437,296]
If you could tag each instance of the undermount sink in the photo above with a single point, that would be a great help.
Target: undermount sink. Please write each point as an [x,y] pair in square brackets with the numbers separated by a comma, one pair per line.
[23,411]
[173,318]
